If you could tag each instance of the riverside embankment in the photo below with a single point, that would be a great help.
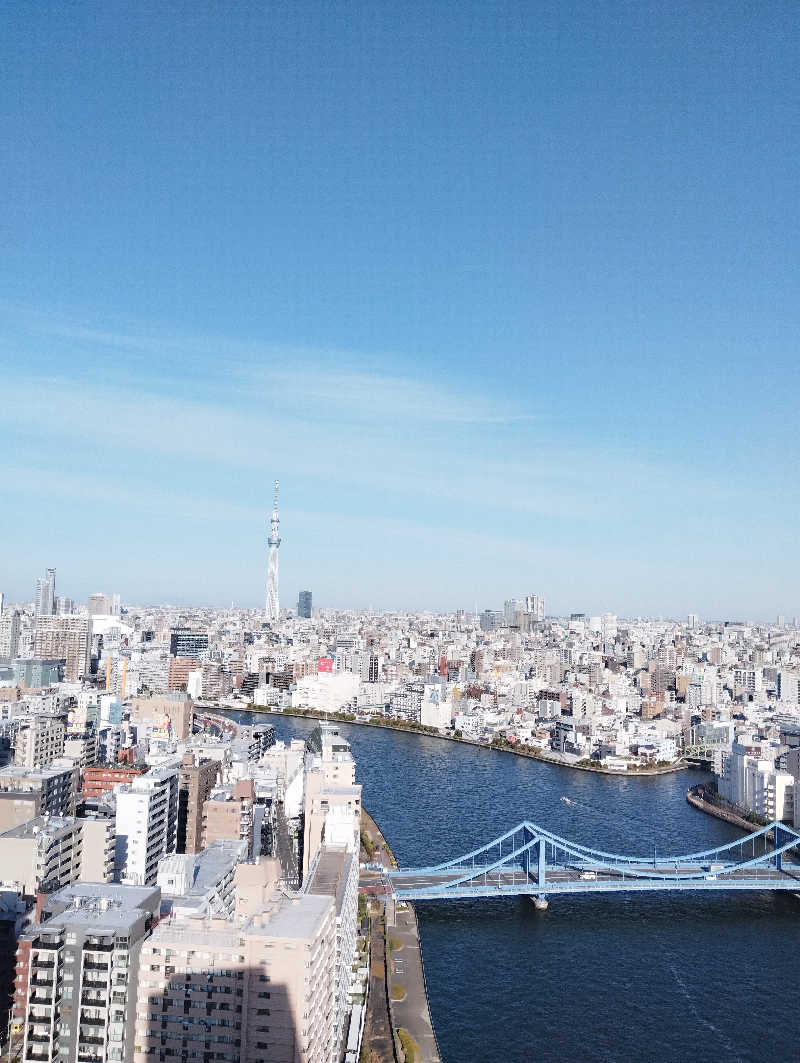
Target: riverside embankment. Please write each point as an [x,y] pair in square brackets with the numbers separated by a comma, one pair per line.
[699,797]
[397,986]
[504,747]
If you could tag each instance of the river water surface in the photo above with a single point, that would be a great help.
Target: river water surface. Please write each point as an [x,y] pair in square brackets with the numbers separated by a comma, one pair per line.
[605,977]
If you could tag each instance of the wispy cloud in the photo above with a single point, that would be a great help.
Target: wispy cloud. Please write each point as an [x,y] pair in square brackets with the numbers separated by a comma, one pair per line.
[329,382]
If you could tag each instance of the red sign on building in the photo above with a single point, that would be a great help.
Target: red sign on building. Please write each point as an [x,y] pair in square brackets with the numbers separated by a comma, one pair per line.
[325,664]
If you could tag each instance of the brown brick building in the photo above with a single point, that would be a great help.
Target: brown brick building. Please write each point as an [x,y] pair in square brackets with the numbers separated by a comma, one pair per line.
[101,778]
[196,781]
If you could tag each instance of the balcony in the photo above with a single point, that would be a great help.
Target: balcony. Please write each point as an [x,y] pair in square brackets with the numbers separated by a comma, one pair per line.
[40,1038]
[45,1019]
[89,965]
[100,1041]
[85,1020]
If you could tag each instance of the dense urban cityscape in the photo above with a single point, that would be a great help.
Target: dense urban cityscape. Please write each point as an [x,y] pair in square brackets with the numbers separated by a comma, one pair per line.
[179,884]
[399,659]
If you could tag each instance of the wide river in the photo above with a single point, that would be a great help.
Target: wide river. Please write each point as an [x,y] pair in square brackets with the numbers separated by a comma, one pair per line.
[652,977]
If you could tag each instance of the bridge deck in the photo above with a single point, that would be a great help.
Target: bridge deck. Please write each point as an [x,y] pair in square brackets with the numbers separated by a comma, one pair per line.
[514,882]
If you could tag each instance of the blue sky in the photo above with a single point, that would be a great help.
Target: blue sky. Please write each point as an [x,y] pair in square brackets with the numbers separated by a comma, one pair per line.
[506,295]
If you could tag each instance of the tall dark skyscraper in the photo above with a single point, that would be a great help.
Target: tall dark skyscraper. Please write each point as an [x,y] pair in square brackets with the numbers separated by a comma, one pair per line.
[304,605]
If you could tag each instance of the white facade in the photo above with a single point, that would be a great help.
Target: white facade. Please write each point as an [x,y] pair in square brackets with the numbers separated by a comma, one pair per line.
[146,825]
[754,783]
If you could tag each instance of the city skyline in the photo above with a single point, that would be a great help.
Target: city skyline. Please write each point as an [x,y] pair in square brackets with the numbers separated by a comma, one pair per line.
[487,290]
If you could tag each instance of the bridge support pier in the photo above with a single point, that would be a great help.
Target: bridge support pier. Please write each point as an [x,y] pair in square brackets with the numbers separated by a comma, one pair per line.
[540,903]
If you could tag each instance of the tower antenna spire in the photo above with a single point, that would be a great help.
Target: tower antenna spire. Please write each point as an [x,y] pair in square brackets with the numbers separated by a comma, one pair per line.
[273,542]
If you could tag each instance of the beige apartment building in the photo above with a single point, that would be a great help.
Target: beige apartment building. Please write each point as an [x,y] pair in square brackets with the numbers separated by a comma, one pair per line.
[50,852]
[66,637]
[332,796]
[39,740]
[250,989]
[83,746]
[228,814]
[179,709]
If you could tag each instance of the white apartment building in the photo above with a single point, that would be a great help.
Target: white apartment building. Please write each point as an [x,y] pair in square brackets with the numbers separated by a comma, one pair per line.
[753,783]
[327,692]
[9,634]
[788,686]
[83,747]
[146,825]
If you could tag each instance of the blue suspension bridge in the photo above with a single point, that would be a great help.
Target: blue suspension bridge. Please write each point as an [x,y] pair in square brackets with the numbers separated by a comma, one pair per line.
[529,860]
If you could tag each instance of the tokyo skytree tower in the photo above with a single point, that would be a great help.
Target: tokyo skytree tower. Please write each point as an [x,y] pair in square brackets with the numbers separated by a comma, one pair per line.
[274,541]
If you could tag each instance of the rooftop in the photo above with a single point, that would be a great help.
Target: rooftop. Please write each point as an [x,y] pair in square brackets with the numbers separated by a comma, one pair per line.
[104,906]
[202,870]
[294,916]
[41,825]
[329,873]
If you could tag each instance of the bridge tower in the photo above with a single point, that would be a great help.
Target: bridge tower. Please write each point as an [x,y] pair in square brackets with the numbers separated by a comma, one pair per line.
[540,868]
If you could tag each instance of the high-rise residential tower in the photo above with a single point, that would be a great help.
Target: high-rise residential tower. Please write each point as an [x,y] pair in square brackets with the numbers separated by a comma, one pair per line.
[274,541]
[534,604]
[46,593]
[98,604]
[69,637]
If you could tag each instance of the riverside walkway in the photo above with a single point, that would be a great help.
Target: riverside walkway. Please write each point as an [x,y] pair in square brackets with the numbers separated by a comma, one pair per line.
[529,860]
[398,999]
